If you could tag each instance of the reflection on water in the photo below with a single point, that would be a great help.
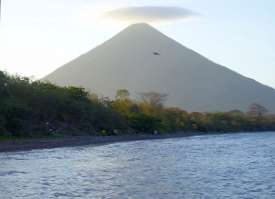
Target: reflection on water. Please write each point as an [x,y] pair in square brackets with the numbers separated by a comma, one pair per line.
[215,166]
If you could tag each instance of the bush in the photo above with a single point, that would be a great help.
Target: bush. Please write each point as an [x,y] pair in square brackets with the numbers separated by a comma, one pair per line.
[40,108]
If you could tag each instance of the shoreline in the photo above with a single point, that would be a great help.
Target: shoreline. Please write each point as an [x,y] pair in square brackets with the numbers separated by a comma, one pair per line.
[74,141]
[50,143]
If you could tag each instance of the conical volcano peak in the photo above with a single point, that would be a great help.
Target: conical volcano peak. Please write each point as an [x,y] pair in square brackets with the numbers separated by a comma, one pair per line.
[141,25]
[141,28]
[139,31]
[142,59]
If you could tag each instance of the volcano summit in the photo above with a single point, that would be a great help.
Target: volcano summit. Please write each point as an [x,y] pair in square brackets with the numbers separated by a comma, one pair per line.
[142,59]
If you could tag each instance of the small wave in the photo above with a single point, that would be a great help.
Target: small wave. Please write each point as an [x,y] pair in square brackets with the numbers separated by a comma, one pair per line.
[8,173]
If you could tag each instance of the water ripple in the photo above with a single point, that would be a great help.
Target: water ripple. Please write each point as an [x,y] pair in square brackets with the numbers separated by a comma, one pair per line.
[200,167]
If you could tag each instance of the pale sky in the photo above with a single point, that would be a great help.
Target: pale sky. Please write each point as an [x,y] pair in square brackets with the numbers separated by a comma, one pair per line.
[38,36]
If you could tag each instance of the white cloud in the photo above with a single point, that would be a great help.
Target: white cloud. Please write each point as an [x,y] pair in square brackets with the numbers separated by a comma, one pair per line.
[150,14]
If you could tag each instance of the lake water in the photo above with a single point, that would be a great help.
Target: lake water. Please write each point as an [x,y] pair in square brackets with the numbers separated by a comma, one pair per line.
[212,166]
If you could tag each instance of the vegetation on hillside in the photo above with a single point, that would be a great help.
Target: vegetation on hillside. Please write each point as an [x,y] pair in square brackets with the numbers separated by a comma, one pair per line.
[34,108]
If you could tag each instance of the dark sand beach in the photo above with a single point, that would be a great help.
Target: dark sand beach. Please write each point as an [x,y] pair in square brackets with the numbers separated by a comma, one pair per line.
[47,143]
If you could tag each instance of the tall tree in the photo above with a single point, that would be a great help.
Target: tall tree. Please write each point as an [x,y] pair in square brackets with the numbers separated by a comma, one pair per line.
[257,110]
[156,100]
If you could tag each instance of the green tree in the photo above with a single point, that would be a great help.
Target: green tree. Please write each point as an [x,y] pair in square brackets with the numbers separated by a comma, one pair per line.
[122,94]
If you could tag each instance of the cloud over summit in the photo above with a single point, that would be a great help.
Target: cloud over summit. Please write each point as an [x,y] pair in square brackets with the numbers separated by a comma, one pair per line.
[149,14]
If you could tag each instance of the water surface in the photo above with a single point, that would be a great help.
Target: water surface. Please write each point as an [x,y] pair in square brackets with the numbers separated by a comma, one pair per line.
[212,166]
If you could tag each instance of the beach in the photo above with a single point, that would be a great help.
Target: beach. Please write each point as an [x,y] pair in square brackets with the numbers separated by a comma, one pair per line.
[47,143]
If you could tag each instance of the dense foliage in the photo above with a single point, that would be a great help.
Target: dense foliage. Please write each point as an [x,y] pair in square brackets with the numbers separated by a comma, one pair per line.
[33,108]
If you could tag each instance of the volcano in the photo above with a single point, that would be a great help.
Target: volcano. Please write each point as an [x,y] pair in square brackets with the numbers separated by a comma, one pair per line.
[142,59]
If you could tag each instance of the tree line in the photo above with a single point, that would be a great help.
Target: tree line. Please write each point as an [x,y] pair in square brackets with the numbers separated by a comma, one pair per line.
[34,108]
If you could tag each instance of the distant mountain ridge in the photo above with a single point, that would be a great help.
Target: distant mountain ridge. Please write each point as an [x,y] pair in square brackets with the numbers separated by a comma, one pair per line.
[142,59]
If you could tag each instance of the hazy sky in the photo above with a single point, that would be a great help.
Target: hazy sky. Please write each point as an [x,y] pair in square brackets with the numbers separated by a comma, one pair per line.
[37,36]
